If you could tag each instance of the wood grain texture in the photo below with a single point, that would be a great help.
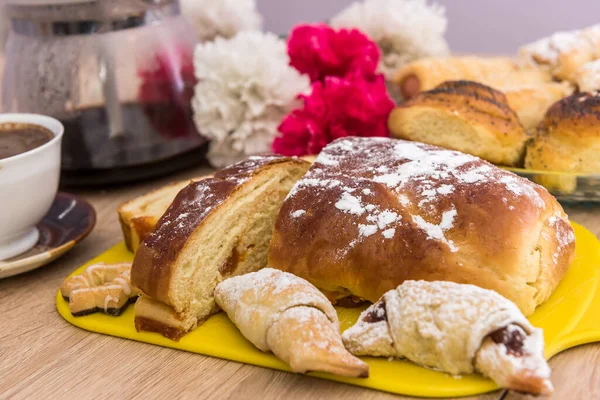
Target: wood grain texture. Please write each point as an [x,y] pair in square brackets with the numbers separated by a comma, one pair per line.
[42,356]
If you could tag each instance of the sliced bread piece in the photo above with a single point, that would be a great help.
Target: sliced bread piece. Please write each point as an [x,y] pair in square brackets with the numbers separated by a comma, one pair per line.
[139,216]
[464,116]
[214,229]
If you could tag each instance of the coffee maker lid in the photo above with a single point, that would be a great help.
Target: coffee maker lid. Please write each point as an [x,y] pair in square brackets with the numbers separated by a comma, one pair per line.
[81,10]
[85,17]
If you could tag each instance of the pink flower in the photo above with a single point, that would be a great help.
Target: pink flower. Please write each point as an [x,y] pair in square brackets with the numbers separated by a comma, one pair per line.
[352,106]
[320,51]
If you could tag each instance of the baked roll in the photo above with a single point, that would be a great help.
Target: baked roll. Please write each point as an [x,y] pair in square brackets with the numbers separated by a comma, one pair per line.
[372,213]
[458,329]
[215,228]
[465,116]
[282,313]
[498,72]
[567,140]
[564,53]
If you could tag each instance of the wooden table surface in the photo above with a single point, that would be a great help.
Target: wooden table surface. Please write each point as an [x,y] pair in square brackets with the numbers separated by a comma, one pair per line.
[42,356]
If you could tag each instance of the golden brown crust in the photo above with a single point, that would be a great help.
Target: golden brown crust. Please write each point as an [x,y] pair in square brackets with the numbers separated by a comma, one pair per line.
[127,231]
[475,95]
[568,139]
[498,72]
[465,116]
[151,271]
[138,216]
[575,114]
[372,213]
[142,226]
[151,325]
[154,316]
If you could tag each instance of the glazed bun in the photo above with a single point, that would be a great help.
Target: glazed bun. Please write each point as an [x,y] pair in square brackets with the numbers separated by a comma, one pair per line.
[372,213]
[568,139]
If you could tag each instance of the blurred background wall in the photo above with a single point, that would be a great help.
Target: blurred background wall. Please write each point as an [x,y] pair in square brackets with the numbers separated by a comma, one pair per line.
[474,26]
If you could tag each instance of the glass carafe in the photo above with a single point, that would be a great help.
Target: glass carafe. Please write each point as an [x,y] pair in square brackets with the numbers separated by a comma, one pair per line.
[117,73]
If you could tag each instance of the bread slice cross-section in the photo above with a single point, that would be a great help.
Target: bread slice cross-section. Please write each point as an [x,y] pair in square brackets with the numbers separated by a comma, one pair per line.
[214,229]
[139,216]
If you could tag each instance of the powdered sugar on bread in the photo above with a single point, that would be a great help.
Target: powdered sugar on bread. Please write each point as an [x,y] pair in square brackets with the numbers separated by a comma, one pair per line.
[391,210]
[204,196]
[433,174]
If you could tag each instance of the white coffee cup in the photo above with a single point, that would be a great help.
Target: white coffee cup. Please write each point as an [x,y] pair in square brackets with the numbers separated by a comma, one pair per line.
[28,186]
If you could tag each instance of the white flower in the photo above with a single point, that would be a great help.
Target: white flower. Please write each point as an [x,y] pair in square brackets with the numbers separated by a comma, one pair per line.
[245,88]
[405,30]
[212,18]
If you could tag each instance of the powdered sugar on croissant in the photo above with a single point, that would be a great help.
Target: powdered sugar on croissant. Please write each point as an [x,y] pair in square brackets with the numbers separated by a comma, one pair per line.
[285,314]
[564,53]
[455,328]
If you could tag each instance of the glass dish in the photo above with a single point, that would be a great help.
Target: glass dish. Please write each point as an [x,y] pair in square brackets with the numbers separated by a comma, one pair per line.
[565,186]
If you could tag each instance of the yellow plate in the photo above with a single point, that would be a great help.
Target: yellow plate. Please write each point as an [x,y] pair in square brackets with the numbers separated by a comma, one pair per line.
[569,318]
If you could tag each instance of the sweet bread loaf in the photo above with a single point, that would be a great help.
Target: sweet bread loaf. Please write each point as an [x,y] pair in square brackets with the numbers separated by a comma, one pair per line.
[497,72]
[215,228]
[564,53]
[567,140]
[458,329]
[138,216]
[280,312]
[465,116]
[372,213]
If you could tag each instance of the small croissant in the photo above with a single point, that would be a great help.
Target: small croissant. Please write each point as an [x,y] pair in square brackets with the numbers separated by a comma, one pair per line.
[285,314]
[454,328]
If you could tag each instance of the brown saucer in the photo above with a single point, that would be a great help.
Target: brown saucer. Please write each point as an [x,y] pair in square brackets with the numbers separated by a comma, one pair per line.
[69,221]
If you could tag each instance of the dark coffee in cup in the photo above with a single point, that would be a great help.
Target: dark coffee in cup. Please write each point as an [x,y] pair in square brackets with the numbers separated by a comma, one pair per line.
[17,138]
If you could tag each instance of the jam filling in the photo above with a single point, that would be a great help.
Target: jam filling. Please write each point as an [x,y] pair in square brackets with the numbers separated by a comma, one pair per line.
[513,339]
[377,313]
[350,302]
